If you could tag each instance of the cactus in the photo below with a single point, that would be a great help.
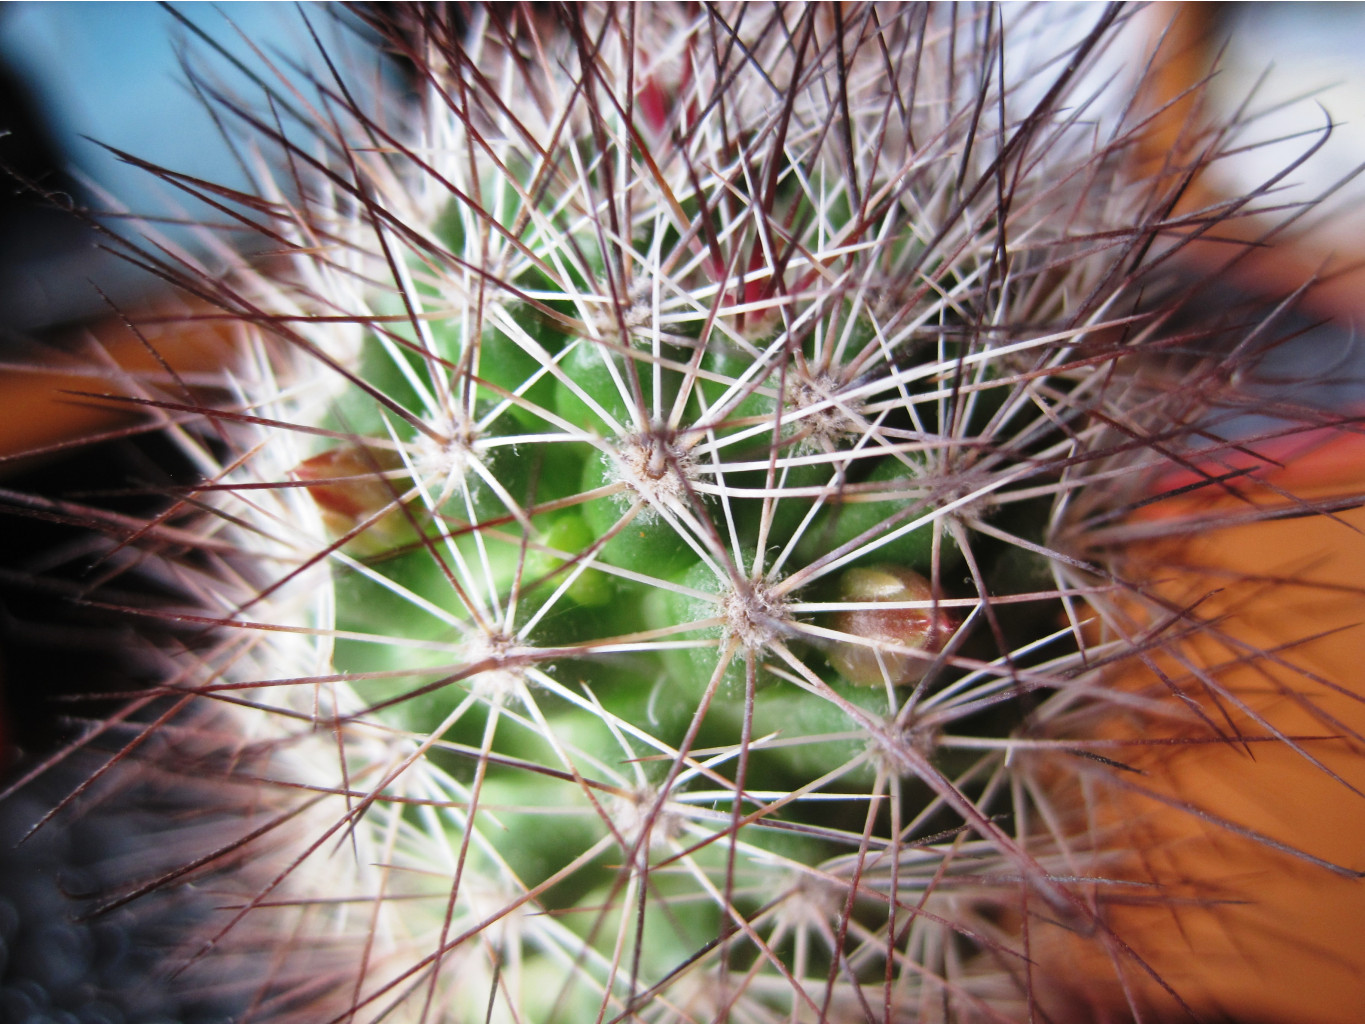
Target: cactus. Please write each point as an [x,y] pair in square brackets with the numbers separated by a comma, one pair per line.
[641,546]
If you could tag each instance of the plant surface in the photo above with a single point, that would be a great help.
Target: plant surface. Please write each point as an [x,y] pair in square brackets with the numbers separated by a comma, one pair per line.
[650,536]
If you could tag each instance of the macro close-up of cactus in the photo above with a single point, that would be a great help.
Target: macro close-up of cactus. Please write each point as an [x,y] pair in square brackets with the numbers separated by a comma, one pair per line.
[710,513]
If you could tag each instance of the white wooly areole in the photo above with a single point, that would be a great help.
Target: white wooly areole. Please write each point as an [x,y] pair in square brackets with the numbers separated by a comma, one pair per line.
[647,528]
